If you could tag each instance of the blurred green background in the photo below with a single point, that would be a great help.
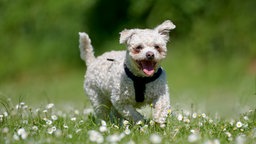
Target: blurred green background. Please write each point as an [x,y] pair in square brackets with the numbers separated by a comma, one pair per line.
[211,60]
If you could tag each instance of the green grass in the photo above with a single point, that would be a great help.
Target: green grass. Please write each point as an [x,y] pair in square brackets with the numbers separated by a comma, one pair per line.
[20,123]
[224,90]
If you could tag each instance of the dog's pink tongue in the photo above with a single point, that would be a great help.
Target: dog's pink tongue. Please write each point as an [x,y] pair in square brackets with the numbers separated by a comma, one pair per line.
[148,68]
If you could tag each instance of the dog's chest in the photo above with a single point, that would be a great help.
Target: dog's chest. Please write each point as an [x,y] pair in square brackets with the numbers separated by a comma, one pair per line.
[151,92]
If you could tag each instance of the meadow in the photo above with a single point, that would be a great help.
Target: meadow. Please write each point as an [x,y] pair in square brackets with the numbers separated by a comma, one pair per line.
[213,104]
[21,123]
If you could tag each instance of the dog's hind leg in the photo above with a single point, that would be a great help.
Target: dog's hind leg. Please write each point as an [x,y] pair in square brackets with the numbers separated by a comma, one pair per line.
[101,105]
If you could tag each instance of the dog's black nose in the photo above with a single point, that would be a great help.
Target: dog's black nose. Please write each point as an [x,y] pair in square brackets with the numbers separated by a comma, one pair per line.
[150,55]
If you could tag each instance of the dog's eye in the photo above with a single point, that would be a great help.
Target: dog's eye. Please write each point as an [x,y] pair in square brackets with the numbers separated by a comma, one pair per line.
[138,48]
[157,47]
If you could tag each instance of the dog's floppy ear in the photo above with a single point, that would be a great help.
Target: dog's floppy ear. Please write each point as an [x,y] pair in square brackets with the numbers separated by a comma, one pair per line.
[125,35]
[164,29]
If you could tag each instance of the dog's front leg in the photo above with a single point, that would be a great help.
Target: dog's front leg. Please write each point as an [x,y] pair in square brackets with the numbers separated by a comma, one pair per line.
[128,112]
[161,108]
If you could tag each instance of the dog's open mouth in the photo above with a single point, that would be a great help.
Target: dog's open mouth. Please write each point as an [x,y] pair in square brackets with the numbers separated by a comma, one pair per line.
[148,67]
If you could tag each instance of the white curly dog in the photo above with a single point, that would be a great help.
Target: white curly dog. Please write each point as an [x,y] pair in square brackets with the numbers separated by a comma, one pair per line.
[118,82]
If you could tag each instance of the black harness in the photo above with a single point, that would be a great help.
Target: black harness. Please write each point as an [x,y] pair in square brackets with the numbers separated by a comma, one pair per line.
[139,83]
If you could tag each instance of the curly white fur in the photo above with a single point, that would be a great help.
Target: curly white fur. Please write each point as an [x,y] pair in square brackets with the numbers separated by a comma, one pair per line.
[108,86]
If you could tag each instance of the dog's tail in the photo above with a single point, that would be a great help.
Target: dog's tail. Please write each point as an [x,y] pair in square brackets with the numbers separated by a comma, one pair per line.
[86,49]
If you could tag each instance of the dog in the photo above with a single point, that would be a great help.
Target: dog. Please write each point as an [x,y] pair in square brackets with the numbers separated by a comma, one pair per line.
[119,82]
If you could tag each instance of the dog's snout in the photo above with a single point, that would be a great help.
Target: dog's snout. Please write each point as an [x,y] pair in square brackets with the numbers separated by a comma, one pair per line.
[150,55]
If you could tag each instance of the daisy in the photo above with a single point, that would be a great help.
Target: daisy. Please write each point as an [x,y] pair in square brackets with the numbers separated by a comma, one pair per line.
[139,123]
[194,115]
[113,138]
[241,139]
[48,122]
[180,117]
[103,128]
[54,117]
[73,119]
[50,106]
[193,138]
[127,131]
[65,126]
[125,122]
[155,139]
[95,136]
[5,130]
[35,128]
[239,124]
[22,133]
[203,115]
[103,123]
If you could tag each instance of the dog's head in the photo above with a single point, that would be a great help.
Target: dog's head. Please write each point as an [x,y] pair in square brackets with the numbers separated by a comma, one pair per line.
[147,47]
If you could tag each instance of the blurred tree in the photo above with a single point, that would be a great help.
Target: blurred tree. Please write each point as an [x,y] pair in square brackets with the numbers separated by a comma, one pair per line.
[39,33]
[104,18]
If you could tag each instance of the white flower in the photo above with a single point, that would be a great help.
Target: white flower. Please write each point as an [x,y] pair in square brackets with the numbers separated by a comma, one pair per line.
[193,138]
[203,115]
[37,110]
[81,121]
[162,125]
[232,122]
[73,119]
[25,107]
[48,122]
[58,133]
[246,118]
[241,139]
[192,131]
[50,106]
[103,123]
[215,141]
[16,137]
[78,130]
[127,131]
[228,134]
[139,123]
[194,115]
[5,114]
[5,130]
[125,122]
[54,128]
[103,128]
[115,126]
[186,120]
[152,122]
[69,136]
[54,117]
[25,121]
[180,117]
[22,103]
[35,128]
[22,132]
[51,130]
[65,126]
[155,139]
[76,112]
[113,138]
[95,136]
[239,124]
